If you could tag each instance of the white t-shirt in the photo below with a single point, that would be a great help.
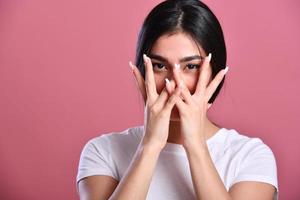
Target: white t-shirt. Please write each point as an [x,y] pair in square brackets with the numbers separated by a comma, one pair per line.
[235,156]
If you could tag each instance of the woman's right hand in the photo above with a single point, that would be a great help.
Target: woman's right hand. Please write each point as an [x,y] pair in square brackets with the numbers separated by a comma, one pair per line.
[158,107]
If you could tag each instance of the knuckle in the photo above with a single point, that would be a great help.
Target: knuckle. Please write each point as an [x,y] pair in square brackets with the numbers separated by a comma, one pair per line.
[154,110]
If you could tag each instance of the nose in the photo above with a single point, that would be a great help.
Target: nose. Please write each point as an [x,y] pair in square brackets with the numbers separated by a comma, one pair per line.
[175,67]
[174,76]
[171,75]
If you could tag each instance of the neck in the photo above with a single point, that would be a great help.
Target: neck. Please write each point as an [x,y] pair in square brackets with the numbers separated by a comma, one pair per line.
[175,136]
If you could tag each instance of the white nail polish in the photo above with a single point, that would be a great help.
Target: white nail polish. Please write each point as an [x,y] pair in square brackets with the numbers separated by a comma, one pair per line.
[167,81]
[130,64]
[177,66]
[225,70]
[145,58]
[209,57]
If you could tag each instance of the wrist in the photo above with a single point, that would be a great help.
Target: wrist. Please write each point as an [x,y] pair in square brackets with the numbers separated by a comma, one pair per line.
[151,146]
[193,146]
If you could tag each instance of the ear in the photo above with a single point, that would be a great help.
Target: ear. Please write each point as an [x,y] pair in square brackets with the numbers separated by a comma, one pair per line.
[139,81]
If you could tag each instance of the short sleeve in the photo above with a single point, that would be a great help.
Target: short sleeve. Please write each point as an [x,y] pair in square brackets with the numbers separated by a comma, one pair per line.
[258,164]
[95,159]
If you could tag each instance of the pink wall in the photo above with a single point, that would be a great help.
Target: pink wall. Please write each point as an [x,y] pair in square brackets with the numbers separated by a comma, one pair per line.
[64,78]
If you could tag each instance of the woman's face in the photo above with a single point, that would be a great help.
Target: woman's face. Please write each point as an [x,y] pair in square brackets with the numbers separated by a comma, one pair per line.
[178,48]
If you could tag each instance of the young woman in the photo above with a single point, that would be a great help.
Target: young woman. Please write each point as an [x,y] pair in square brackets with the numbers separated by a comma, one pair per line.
[178,153]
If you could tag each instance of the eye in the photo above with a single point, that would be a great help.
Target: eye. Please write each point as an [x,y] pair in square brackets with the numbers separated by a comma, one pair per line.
[158,66]
[192,66]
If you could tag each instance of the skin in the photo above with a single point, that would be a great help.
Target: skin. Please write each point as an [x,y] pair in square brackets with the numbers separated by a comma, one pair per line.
[167,47]
[176,113]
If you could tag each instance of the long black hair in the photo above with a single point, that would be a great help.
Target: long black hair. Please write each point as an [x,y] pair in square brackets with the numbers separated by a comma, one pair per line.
[189,16]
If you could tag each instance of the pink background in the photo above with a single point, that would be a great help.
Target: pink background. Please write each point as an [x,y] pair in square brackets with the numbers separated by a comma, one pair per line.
[64,79]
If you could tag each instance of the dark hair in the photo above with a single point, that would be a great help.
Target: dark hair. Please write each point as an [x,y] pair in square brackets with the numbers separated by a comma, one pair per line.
[189,16]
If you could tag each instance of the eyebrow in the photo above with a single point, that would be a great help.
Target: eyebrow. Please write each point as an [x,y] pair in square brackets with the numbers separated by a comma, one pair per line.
[184,59]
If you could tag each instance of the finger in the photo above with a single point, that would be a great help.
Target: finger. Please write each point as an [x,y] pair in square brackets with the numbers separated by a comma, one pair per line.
[204,77]
[170,86]
[139,80]
[209,105]
[172,101]
[181,105]
[214,84]
[162,98]
[172,83]
[179,81]
[149,79]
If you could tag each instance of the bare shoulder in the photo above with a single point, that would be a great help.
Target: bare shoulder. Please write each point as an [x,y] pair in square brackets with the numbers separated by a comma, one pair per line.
[96,187]
[246,190]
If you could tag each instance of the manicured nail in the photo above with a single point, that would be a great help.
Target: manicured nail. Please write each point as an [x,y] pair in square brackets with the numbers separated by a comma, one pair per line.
[209,57]
[167,81]
[225,70]
[131,65]
[177,66]
[145,58]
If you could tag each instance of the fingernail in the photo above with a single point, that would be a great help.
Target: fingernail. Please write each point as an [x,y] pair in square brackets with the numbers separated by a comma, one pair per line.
[145,57]
[167,81]
[209,57]
[177,66]
[226,70]
[131,66]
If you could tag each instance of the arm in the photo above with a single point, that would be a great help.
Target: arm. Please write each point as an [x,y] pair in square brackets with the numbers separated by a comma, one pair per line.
[208,184]
[96,187]
[134,184]
[137,178]
[136,181]
[206,180]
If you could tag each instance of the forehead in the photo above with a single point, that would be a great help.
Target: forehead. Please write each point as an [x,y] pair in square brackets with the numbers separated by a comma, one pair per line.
[176,46]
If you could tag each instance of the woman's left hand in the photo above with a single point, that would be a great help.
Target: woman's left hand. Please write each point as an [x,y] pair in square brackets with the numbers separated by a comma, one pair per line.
[193,109]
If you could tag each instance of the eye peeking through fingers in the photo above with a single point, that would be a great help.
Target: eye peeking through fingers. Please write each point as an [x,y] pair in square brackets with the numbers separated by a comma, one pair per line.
[159,67]
[192,66]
